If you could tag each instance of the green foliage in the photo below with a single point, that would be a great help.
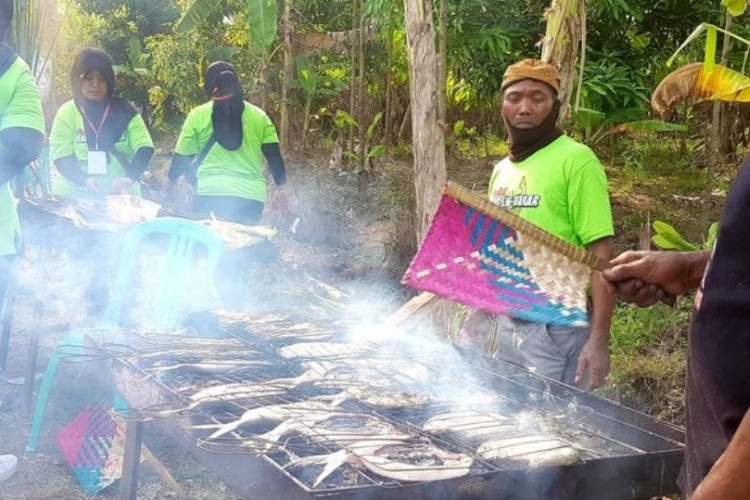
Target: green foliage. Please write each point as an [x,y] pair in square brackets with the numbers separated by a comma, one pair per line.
[127,19]
[735,7]
[343,120]
[483,39]
[262,18]
[596,125]
[667,238]
[639,330]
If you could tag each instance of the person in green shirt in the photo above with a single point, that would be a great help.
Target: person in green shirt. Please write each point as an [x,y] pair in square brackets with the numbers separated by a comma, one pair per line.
[221,149]
[99,143]
[21,136]
[21,139]
[558,184]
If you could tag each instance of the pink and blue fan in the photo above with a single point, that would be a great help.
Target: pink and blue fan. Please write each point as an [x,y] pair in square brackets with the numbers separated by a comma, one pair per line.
[489,258]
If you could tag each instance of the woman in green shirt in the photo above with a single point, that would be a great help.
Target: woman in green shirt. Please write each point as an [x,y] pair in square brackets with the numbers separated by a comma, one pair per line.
[98,142]
[221,147]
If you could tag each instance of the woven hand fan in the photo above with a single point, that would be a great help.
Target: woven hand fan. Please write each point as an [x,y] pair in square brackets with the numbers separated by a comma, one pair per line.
[486,257]
[93,446]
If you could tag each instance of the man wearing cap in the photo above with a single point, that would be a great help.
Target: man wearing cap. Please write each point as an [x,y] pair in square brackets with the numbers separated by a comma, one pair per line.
[21,138]
[558,184]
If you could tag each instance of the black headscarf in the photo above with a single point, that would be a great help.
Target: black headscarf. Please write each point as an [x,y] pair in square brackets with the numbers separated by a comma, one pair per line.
[7,53]
[524,142]
[120,110]
[223,87]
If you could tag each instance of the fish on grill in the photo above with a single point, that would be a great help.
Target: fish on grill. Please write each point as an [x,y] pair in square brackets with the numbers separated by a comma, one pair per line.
[398,459]
[410,461]
[470,424]
[339,428]
[534,450]
[209,367]
[304,411]
[383,397]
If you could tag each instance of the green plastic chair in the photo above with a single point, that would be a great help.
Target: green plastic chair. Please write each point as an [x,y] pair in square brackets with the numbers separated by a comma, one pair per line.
[185,242]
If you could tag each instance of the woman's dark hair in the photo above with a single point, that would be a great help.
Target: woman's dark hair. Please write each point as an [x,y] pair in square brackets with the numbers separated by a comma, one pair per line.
[87,60]
[223,87]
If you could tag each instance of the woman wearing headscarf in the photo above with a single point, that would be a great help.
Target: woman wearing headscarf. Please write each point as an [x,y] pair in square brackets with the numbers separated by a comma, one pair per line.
[98,142]
[221,147]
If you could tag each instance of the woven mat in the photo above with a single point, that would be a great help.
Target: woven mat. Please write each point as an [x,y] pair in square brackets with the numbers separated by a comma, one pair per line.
[485,257]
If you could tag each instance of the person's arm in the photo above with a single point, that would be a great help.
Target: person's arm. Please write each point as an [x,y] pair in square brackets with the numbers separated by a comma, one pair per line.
[68,167]
[180,165]
[645,277]
[19,146]
[728,478]
[139,163]
[594,357]
[275,162]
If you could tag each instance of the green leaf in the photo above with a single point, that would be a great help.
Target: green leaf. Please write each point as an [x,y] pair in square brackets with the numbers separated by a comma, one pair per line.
[221,53]
[342,118]
[709,60]
[371,129]
[378,150]
[196,14]
[713,230]
[668,238]
[735,7]
[262,18]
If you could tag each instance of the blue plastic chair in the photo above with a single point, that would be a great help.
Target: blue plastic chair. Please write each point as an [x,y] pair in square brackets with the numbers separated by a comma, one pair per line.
[180,278]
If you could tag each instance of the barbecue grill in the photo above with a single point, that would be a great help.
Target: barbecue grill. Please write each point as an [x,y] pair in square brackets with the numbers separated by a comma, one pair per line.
[621,453]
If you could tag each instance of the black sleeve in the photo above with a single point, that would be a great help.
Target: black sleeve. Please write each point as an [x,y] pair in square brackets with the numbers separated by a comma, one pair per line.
[180,165]
[275,162]
[19,146]
[68,167]
[139,163]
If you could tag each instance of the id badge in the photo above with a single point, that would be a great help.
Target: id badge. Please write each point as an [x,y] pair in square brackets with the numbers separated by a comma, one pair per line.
[97,162]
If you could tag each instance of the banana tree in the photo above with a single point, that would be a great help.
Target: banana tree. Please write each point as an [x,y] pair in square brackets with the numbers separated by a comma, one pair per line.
[33,37]
[566,28]
[262,19]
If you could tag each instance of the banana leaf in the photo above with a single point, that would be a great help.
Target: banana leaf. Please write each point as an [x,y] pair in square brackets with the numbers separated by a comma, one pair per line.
[696,81]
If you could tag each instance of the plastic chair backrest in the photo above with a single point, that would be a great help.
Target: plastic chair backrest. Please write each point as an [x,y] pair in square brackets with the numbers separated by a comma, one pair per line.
[182,277]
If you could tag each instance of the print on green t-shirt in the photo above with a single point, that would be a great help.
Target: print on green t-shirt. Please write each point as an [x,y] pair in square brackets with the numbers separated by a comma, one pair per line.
[561,188]
[223,172]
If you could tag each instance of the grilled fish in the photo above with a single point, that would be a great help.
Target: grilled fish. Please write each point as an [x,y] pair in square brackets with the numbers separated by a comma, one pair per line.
[409,461]
[339,428]
[534,450]
[304,411]
[470,424]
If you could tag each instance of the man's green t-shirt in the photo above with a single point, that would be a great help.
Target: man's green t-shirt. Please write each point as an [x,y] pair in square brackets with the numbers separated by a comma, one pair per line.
[68,137]
[20,106]
[223,172]
[562,188]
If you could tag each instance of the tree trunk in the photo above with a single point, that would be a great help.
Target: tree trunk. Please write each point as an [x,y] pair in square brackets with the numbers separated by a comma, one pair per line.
[427,136]
[361,119]
[442,58]
[288,77]
[353,72]
[388,115]
[716,155]
[560,45]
